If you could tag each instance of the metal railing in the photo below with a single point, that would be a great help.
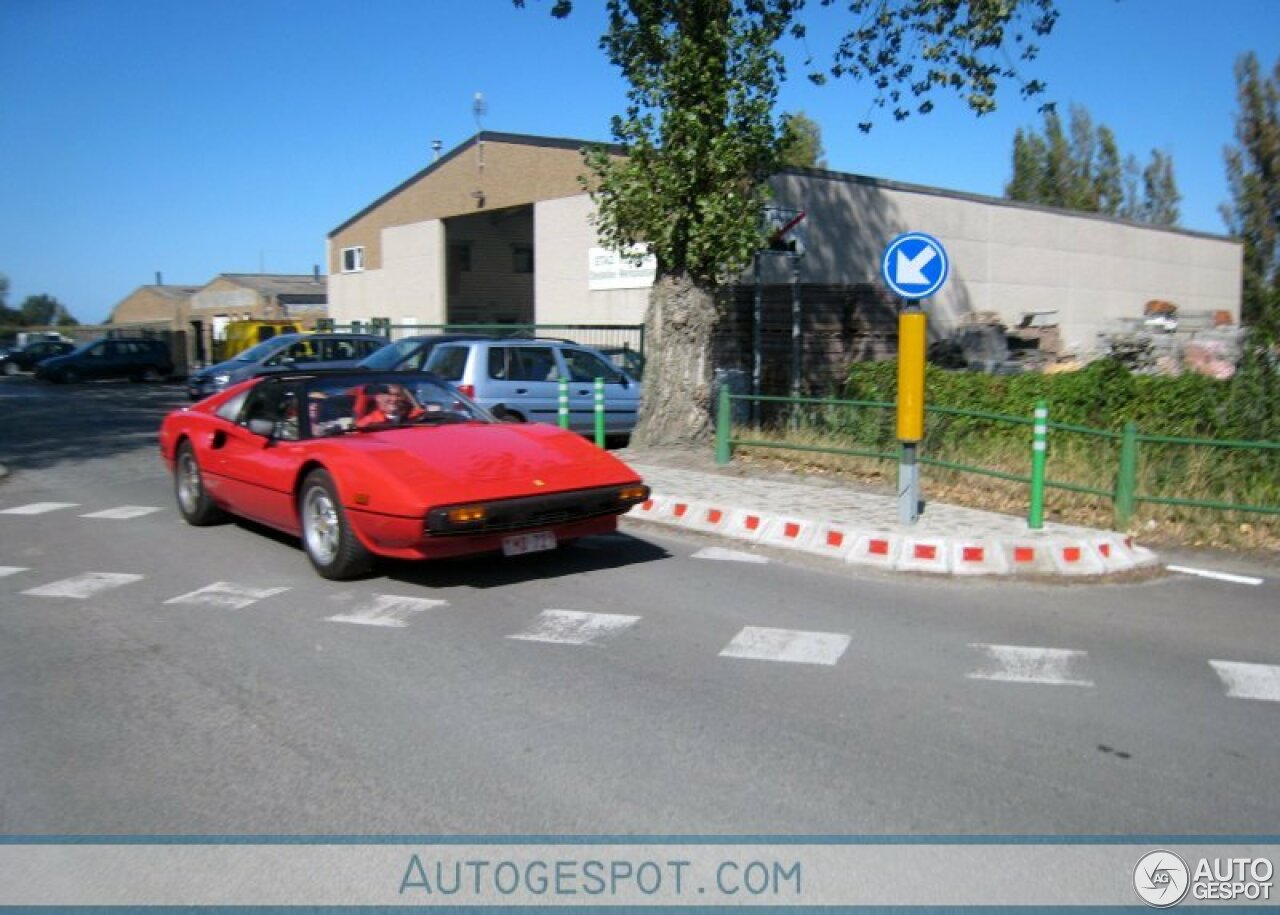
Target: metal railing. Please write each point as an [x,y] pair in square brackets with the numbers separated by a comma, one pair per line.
[1130,461]
[599,336]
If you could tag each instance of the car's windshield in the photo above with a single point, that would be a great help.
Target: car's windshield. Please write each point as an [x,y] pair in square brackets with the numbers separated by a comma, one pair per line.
[355,403]
[265,348]
[390,356]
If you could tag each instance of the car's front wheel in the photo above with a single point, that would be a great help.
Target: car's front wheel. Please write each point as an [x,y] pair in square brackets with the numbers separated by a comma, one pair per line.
[194,503]
[11,368]
[331,544]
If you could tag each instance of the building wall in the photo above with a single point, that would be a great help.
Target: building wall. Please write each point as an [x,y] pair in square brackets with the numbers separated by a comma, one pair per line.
[409,289]
[1011,258]
[149,303]
[505,174]
[563,236]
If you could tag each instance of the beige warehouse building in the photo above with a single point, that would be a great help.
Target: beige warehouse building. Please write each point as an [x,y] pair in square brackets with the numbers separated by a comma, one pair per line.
[500,230]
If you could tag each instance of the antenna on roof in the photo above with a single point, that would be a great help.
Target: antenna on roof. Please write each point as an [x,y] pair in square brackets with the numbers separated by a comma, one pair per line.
[479,108]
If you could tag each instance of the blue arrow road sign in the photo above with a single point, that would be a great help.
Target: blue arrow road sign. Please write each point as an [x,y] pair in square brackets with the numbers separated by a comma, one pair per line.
[915,265]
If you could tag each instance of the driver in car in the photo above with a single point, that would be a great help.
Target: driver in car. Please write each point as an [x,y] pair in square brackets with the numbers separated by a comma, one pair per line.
[392,405]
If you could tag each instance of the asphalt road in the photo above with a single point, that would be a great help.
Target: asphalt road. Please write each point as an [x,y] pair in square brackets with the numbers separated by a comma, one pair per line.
[163,679]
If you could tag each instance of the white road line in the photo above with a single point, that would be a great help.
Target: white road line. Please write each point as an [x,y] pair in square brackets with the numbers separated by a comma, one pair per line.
[123,513]
[227,595]
[11,570]
[81,587]
[789,645]
[721,554]
[1217,576]
[1024,664]
[1249,681]
[387,610]
[573,627]
[38,508]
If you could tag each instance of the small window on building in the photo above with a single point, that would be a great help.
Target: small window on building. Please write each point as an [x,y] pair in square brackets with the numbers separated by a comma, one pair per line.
[352,260]
[522,258]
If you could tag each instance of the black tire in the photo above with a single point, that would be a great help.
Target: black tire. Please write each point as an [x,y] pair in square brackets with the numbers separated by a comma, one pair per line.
[332,546]
[10,368]
[151,374]
[196,507]
[69,376]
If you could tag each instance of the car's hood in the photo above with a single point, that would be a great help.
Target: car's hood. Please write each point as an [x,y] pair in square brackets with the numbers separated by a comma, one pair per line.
[482,461]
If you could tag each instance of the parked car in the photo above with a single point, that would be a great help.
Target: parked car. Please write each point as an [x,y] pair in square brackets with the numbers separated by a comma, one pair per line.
[113,357]
[626,358]
[285,352]
[326,458]
[25,358]
[523,377]
[409,354]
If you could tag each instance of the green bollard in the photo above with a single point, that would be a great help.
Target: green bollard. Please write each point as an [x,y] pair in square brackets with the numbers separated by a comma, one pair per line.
[1039,455]
[564,403]
[1127,478]
[600,412]
[723,417]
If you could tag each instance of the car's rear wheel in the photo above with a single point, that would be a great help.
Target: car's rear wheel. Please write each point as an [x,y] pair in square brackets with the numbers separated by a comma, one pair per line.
[194,503]
[151,374]
[70,376]
[331,544]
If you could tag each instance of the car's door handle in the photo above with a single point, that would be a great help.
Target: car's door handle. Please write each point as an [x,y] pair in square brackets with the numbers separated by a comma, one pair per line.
[522,390]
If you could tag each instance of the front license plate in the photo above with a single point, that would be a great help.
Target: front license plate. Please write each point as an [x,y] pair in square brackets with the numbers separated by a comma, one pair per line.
[528,543]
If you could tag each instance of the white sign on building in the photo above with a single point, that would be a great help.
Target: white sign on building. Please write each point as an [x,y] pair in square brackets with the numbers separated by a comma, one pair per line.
[608,269]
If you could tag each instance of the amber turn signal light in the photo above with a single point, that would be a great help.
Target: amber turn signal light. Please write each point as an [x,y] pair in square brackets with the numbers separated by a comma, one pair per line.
[466,514]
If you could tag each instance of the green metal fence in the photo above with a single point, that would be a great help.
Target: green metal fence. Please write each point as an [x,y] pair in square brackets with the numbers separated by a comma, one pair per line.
[1137,468]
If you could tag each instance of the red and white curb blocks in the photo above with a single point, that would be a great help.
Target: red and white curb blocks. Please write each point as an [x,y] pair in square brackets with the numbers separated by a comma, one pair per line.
[921,554]
[655,508]
[833,540]
[700,516]
[879,550]
[1076,557]
[791,533]
[1030,556]
[978,557]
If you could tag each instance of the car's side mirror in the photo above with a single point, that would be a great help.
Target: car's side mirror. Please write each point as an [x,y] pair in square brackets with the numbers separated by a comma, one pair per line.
[264,427]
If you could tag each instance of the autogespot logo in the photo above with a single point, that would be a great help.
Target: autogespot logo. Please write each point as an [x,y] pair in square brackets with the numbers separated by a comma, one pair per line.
[1161,879]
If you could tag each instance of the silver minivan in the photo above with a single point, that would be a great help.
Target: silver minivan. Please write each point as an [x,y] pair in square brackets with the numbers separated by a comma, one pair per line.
[293,352]
[523,376]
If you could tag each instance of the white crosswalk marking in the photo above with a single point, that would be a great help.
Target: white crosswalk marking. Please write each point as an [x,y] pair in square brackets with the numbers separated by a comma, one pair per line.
[81,587]
[123,513]
[724,555]
[1024,664]
[387,610]
[38,508]
[792,646]
[574,627]
[1249,681]
[226,594]
[11,570]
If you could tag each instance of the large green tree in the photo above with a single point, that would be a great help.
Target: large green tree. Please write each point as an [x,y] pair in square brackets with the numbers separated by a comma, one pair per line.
[702,138]
[44,311]
[802,142]
[1080,168]
[1253,174]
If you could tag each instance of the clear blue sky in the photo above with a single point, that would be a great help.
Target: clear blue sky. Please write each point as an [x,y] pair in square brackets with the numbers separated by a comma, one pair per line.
[198,137]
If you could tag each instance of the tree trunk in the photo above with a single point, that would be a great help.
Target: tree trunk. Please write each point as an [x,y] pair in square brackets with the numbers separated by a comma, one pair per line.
[677,407]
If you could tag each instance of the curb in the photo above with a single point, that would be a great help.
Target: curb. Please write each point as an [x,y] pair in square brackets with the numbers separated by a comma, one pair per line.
[1033,554]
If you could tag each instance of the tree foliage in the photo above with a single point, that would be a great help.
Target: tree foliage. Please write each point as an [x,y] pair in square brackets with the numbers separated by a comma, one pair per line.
[1253,175]
[801,143]
[44,310]
[1080,168]
[701,139]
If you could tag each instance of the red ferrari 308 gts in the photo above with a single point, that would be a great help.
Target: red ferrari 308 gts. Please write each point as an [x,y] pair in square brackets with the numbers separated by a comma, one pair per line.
[366,464]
